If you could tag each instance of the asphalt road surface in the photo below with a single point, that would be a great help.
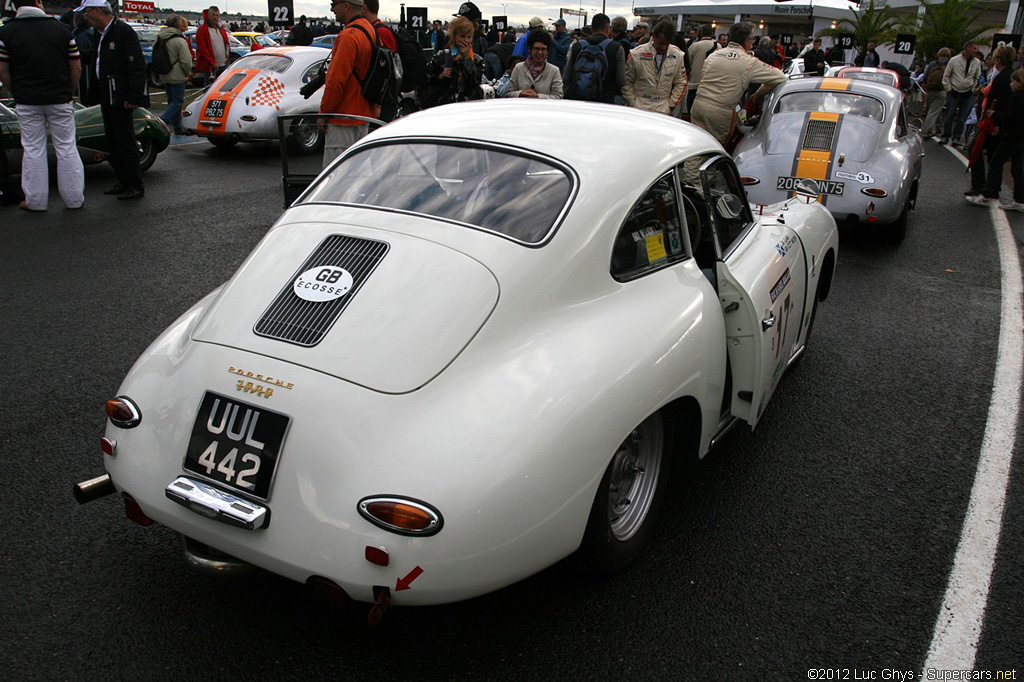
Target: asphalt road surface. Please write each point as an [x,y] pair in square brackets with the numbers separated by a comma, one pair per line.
[823,542]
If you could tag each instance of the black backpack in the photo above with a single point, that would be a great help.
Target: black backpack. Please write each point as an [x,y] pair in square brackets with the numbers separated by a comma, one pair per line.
[414,64]
[383,81]
[589,71]
[162,63]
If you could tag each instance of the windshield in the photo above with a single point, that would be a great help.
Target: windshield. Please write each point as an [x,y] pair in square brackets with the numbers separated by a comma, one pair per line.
[268,62]
[516,196]
[147,35]
[873,76]
[831,103]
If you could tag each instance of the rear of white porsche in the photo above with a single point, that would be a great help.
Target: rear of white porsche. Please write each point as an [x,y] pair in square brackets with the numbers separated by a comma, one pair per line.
[246,100]
[294,422]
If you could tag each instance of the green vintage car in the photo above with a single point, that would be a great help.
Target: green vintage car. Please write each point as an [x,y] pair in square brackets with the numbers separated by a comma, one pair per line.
[152,135]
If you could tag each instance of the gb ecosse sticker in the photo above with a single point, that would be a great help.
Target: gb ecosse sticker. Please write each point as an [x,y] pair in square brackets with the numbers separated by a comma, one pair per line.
[322,283]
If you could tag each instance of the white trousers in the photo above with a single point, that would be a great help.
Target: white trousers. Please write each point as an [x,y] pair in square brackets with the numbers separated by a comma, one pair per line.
[35,176]
[339,138]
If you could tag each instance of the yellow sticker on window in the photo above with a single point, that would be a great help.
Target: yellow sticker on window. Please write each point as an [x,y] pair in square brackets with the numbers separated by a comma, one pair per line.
[656,247]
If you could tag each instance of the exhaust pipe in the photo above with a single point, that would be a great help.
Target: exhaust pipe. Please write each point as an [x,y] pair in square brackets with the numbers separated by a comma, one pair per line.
[94,489]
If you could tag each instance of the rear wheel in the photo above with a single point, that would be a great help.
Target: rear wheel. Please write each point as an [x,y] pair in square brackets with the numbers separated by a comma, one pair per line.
[628,498]
[895,233]
[305,137]
[147,153]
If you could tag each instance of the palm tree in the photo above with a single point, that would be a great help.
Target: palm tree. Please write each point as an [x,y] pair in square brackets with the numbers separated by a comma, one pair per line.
[875,24]
[951,24]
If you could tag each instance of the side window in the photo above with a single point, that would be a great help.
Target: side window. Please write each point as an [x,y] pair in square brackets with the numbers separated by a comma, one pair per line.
[902,127]
[652,236]
[312,71]
[726,202]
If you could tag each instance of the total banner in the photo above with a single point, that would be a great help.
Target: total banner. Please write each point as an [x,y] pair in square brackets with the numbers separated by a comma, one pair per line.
[138,6]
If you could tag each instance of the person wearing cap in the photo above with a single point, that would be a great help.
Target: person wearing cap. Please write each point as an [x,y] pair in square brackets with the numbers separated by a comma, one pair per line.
[39,61]
[470,11]
[343,94]
[561,42]
[521,49]
[641,33]
[655,74]
[212,46]
[119,89]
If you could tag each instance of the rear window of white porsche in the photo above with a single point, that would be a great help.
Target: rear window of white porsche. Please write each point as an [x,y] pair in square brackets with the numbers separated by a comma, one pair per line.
[267,62]
[517,196]
[831,102]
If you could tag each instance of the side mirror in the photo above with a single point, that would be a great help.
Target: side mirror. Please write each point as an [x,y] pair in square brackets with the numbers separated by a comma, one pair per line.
[729,206]
[807,188]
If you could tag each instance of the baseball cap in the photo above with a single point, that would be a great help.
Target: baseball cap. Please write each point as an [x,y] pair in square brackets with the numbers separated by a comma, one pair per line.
[536,22]
[560,22]
[469,10]
[92,3]
[644,24]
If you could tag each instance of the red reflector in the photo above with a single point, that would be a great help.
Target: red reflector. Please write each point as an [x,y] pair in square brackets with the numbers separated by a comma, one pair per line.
[134,512]
[377,555]
[872,219]
[107,446]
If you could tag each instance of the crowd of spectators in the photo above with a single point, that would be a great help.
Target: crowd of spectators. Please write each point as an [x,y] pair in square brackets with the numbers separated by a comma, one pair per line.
[964,98]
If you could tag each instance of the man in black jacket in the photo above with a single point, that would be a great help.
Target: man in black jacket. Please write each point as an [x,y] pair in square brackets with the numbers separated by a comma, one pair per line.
[301,33]
[814,60]
[119,89]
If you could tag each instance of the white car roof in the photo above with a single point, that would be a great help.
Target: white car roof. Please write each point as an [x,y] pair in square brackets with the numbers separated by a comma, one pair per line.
[620,142]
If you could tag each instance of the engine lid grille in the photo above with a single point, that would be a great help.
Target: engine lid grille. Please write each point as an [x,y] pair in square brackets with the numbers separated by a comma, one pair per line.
[320,290]
[819,135]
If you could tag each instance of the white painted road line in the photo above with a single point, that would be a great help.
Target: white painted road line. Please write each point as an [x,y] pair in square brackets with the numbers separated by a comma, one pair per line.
[961,617]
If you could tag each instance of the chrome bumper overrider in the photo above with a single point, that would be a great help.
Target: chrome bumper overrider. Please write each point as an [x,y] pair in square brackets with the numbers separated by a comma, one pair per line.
[217,504]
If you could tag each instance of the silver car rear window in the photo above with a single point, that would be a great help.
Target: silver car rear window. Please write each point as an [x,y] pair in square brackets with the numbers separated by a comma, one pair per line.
[517,196]
[268,62]
[831,102]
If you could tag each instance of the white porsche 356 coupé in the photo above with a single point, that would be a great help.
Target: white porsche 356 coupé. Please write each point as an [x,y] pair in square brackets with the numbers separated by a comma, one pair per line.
[470,349]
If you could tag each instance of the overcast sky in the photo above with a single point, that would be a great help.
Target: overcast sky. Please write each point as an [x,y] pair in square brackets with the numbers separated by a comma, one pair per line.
[517,12]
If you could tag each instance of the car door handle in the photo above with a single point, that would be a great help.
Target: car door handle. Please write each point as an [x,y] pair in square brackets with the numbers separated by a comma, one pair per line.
[769,321]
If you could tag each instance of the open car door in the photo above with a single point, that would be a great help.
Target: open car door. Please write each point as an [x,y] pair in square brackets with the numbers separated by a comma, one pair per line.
[762,282]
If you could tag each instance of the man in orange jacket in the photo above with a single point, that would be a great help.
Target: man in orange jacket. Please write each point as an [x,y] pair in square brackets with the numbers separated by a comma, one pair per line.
[343,94]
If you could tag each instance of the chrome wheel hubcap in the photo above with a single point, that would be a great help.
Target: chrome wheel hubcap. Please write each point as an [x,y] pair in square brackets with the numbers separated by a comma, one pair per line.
[636,468]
